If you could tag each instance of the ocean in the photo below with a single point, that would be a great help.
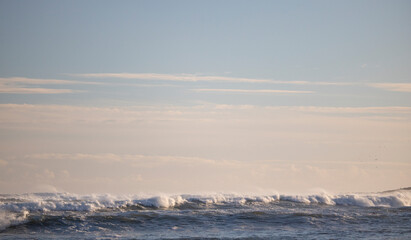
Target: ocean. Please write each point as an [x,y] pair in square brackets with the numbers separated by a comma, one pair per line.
[385,215]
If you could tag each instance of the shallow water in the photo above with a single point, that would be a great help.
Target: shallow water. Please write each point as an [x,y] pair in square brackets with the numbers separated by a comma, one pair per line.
[213,216]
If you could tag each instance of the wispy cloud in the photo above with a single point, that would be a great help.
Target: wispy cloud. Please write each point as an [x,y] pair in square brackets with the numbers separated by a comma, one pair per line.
[397,87]
[197,78]
[170,77]
[29,115]
[249,90]
[394,87]
[21,85]
[25,85]
[24,90]
[346,110]
[40,81]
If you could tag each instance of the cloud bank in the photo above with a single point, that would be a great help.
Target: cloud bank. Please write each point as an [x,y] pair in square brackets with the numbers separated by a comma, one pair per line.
[203,148]
[127,173]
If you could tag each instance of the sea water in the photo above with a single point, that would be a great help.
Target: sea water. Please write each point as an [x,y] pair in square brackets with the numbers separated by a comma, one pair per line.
[384,215]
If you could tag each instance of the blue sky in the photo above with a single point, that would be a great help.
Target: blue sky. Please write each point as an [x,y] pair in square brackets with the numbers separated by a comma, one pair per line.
[316,41]
[226,83]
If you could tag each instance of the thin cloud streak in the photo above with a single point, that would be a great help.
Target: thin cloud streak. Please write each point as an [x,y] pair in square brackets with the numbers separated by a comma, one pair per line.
[170,77]
[397,87]
[19,85]
[248,91]
[197,78]
[24,90]
[394,87]
[39,81]
[15,84]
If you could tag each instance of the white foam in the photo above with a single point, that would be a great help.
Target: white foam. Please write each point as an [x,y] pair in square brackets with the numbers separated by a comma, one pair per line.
[163,201]
[8,219]
[18,204]
[394,199]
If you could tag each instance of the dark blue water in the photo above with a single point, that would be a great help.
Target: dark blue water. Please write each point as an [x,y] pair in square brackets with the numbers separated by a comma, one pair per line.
[68,216]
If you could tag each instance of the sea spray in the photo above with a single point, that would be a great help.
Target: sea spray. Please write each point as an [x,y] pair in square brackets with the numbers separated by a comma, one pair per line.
[226,216]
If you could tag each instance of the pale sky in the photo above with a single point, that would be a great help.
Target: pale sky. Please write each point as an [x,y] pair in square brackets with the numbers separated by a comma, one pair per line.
[204,96]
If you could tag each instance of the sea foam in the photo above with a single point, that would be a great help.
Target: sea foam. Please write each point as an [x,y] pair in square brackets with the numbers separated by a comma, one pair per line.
[8,219]
[16,209]
[97,215]
[43,202]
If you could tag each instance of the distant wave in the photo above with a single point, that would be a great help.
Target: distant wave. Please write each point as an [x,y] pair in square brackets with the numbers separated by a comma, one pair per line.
[15,208]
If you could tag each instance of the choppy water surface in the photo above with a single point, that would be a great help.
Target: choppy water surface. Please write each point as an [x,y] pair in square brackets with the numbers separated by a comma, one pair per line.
[216,216]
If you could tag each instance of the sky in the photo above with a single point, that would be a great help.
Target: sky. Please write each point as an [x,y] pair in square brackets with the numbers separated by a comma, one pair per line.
[204,96]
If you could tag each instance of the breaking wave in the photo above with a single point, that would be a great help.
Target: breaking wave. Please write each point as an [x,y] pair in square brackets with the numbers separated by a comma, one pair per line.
[16,209]
[8,219]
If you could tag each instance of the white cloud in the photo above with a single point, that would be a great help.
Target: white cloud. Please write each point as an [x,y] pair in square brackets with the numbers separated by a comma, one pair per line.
[198,78]
[24,90]
[170,77]
[248,90]
[349,110]
[22,81]
[19,85]
[40,81]
[395,87]
[400,87]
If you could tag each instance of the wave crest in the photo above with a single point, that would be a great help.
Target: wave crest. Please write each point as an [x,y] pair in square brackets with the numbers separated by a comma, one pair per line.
[8,219]
[43,202]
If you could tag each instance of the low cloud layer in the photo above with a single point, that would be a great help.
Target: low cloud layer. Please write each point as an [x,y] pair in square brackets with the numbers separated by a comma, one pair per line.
[203,148]
[124,173]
